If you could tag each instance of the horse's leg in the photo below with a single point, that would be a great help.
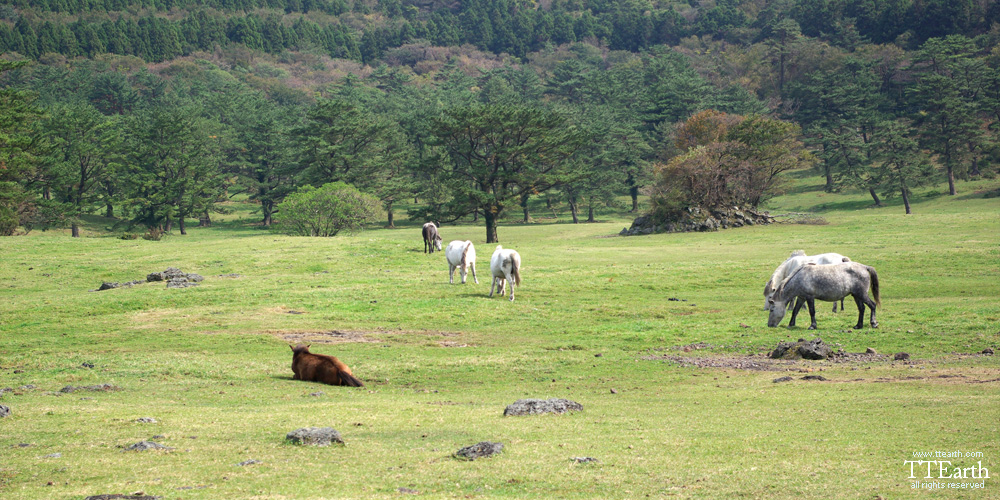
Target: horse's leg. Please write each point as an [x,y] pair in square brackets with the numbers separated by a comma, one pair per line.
[493,285]
[451,274]
[861,312]
[474,273]
[795,311]
[511,280]
[464,272]
[812,313]
[871,304]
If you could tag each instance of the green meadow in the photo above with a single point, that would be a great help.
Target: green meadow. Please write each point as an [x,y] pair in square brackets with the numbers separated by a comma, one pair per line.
[592,322]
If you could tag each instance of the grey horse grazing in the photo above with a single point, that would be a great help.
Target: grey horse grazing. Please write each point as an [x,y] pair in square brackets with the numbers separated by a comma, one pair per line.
[826,282]
[431,237]
[794,261]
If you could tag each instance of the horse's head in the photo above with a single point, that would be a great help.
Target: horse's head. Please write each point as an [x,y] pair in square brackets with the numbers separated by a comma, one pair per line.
[299,349]
[437,241]
[777,311]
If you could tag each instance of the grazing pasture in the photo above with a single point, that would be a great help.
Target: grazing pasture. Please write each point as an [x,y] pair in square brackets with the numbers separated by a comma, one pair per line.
[624,326]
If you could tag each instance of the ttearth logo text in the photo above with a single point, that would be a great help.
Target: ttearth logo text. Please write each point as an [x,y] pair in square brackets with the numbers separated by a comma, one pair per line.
[934,470]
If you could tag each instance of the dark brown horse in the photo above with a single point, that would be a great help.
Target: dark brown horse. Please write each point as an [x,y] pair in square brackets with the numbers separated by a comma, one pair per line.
[431,237]
[321,368]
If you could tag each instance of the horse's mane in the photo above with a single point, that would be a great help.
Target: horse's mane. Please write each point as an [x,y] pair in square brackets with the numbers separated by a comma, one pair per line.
[778,291]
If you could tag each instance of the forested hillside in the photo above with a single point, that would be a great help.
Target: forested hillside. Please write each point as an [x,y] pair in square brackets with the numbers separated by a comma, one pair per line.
[153,112]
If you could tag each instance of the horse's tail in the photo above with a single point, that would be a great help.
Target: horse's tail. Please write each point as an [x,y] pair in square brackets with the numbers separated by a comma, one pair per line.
[350,380]
[468,245]
[874,275]
[515,271]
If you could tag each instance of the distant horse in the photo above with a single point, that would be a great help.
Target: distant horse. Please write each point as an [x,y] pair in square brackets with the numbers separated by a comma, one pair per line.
[461,254]
[431,237]
[826,282]
[794,261]
[505,266]
[321,368]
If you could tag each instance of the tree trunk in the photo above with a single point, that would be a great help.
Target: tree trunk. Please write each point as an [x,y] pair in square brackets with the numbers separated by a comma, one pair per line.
[475,215]
[205,220]
[951,180]
[906,200]
[633,191]
[75,229]
[180,223]
[389,217]
[169,225]
[109,210]
[829,178]
[573,210]
[590,213]
[878,202]
[524,207]
[491,224]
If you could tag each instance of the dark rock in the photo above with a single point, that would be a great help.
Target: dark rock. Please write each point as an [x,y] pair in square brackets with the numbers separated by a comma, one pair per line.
[408,491]
[598,355]
[95,388]
[249,462]
[317,394]
[584,460]
[5,389]
[782,379]
[479,450]
[146,420]
[697,219]
[988,351]
[4,411]
[231,275]
[316,436]
[814,377]
[124,497]
[146,445]
[27,387]
[870,351]
[108,285]
[901,356]
[614,391]
[539,406]
[803,349]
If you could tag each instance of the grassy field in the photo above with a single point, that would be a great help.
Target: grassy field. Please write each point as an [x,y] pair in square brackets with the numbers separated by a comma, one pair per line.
[593,322]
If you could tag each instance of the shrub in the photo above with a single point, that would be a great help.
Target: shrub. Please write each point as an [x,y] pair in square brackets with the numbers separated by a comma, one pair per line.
[326,210]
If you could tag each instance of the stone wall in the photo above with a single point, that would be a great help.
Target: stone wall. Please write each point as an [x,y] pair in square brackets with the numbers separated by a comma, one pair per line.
[697,219]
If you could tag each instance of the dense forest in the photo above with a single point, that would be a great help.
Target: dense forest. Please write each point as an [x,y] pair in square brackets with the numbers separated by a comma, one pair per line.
[154,112]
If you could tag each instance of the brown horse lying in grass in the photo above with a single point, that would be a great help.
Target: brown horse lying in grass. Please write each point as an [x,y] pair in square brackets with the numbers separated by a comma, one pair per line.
[320,368]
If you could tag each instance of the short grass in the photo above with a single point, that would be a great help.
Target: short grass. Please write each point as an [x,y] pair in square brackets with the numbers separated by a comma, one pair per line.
[441,361]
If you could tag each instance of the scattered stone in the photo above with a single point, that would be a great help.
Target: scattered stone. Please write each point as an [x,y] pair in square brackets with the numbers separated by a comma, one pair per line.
[158,436]
[199,487]
[95,388]
[21,445]
[316,436]
[248,462]
[126,497]
[782,379]
[292,311]
[598,355]
[87,365]
[5,390]
[231,275]
[901,356]
[539,406]
[18,371]
[814,377]
[53,455]
[479,450]
[108,285]
[170,272]
[870,351]
[146,420]
[584,460]
[408,491]
[614,391]
[28,387]
[803,349]
[146,445]
[988,351]
[317,394]
[176,278]
[4,411]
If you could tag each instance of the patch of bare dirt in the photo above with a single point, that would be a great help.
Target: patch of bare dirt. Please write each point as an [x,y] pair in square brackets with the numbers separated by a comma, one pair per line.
[362,336]
[753,363]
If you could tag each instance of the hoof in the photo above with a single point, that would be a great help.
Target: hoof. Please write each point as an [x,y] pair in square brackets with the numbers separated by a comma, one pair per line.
[812,327]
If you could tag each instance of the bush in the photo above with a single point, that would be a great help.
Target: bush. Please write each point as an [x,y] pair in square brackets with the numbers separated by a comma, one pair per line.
[327,210]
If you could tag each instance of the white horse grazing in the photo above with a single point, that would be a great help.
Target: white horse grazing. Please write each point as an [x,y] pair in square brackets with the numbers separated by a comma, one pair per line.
[796,260]
[461,254]
[505,266]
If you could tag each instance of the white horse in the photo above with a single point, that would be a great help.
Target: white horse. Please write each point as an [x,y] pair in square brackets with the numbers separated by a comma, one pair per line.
[505,266]
[796,260]
[461,254]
